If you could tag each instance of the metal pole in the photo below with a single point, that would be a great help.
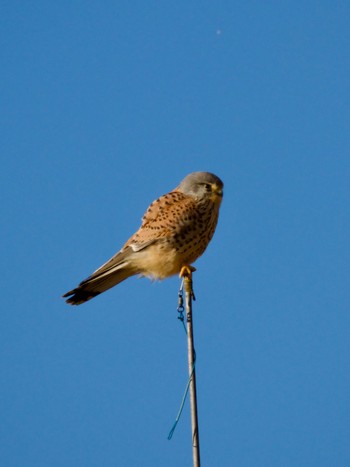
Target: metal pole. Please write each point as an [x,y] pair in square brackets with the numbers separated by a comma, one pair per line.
[192,370]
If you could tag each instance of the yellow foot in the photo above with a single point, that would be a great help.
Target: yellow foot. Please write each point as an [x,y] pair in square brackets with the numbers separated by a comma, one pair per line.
[186,271]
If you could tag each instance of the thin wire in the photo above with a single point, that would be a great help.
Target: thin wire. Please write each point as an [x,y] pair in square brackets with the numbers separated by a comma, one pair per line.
[171,432]
[180,310]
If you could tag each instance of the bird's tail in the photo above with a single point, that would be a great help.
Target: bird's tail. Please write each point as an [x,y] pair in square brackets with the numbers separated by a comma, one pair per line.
[110,274]
[90,288]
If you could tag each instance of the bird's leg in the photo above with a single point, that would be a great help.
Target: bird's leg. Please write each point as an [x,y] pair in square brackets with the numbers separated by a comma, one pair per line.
[186,271]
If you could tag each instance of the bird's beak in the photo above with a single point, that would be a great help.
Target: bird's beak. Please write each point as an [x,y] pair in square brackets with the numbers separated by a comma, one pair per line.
[218,193]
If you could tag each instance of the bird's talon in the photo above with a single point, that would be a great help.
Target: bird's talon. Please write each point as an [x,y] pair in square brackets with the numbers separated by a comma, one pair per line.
[186,271]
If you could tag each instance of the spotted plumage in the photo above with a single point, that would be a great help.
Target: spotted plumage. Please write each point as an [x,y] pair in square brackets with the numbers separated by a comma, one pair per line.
[176,229]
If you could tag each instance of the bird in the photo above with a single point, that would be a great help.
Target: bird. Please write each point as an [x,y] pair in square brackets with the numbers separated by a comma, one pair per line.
[175,230]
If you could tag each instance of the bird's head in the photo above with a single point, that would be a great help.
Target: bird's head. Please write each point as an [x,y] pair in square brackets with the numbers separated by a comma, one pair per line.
[202,185]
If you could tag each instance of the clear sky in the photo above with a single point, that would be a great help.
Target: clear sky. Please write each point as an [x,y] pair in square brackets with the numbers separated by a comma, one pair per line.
[104,107]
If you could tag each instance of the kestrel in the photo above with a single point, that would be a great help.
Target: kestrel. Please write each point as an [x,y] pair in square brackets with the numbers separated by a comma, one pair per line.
[176,229]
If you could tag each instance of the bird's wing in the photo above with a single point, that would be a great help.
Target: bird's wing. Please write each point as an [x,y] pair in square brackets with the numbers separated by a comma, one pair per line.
[162,216]
[166,215]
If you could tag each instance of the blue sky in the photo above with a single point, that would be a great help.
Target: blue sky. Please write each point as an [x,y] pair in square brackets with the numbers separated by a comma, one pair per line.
[104,107]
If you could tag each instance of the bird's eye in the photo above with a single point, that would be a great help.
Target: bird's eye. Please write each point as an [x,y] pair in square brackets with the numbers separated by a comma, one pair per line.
[207,186]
